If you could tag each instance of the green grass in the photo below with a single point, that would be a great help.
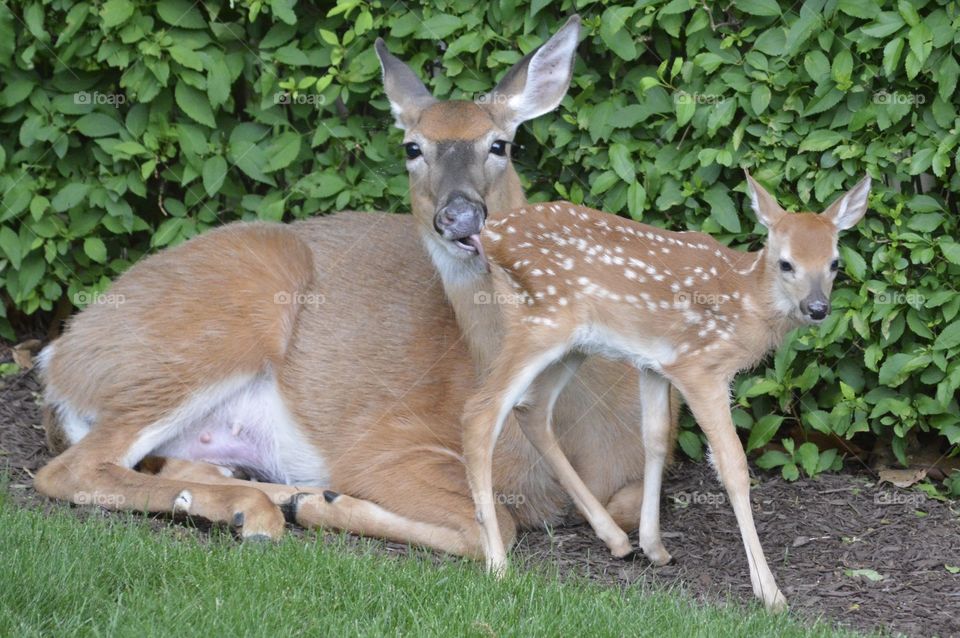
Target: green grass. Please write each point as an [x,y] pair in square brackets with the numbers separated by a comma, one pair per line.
[64,576]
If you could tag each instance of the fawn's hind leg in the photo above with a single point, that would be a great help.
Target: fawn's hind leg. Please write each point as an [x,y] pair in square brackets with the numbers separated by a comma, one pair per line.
[710,404]
[655,424]
[535,421]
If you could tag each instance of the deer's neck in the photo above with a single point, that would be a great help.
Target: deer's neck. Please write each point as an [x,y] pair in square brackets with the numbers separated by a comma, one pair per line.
[470,288]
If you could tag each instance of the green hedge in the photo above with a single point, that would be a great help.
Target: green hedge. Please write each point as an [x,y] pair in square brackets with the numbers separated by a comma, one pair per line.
[126,126]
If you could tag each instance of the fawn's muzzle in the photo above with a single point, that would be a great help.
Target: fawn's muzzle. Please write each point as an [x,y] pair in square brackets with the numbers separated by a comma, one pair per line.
[816,307]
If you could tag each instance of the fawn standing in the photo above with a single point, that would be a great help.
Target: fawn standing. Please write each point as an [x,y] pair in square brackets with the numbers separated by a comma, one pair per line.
[680,306]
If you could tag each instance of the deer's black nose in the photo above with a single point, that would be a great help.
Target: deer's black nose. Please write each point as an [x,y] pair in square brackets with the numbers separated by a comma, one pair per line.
[818,310]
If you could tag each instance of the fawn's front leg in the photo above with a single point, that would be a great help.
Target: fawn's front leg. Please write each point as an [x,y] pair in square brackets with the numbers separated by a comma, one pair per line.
[710,403]
[484,414]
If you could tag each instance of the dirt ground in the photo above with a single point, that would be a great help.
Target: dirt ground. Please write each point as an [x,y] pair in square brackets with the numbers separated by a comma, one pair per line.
[816,533]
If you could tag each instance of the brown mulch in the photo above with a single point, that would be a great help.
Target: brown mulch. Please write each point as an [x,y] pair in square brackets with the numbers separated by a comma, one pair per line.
[815,533]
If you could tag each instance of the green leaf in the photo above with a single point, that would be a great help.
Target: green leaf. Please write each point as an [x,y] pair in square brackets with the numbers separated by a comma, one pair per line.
[685,106]
[10,245]
[760,99]
[722,208]
[820,140]
[95,249]
[758,7]
[949,337]
[817,66]
[859,8]
[790,471]
[620,162]
[187,57]
[842,69]
[891,55]
[195,104]
[614,34]
[809,456]
[690,444]
[920,39]
[771,459]
[439,26]
[282,151]
[181,13]
[69,196]
[97,125]
[853,263]
[116,12]
[214,172]
[763,430]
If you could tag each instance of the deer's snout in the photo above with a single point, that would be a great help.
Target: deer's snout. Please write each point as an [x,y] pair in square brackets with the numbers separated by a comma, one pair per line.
[816,306]
[460,216]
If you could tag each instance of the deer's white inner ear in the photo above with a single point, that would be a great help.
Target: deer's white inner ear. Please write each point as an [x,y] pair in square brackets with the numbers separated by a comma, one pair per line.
[764,206]
[537,84]
[851,207]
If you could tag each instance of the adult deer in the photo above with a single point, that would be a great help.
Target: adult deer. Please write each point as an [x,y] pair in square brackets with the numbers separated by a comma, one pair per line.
[681,307]
[324,354]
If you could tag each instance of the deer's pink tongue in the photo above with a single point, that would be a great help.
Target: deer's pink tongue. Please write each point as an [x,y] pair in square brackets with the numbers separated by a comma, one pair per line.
[474,240]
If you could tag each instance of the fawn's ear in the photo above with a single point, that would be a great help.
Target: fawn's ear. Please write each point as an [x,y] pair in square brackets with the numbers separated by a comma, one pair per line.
[850,208]
[537,83]
[407,94]
[765,207]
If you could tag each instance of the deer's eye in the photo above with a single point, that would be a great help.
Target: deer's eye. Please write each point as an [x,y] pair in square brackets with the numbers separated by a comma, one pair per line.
[412,150]
[834,265]
[785,266]
[499,148]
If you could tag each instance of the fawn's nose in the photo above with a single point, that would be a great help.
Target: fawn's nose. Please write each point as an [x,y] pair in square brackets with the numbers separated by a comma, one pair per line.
[818,309]
[460,216]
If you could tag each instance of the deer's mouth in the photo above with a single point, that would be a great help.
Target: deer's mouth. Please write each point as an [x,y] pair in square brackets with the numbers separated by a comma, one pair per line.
[471,244]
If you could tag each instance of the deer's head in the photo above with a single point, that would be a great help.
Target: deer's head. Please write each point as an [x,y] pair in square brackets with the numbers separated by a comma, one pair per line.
[458,151]
[802,256]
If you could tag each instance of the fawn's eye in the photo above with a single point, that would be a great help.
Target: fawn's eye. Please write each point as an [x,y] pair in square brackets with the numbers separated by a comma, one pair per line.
[785,266]
[413,150]
[834,265]
[499,148]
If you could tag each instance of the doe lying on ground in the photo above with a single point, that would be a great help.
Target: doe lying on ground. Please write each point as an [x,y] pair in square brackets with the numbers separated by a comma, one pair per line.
[681,307]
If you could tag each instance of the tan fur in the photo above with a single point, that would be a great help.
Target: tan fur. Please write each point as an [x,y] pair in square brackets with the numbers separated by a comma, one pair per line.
[679,306]
[375,376]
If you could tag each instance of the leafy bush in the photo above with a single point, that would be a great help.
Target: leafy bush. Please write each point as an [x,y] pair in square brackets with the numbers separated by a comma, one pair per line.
[127,126]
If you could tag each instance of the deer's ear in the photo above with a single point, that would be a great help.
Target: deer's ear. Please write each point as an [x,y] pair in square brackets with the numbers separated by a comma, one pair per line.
[407,94]
[850,207]
[764,206]
[537,83]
